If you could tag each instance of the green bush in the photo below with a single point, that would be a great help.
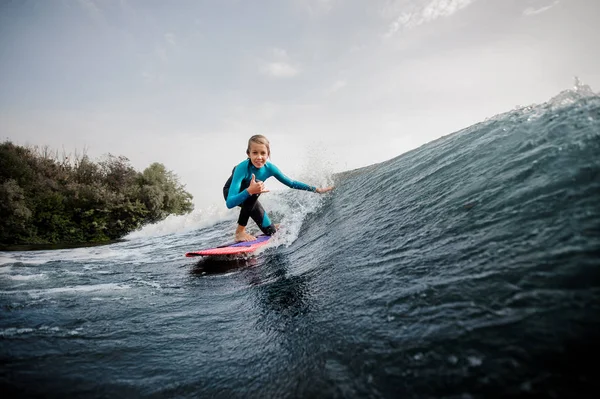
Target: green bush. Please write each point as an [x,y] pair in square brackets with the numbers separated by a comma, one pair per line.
[47,201]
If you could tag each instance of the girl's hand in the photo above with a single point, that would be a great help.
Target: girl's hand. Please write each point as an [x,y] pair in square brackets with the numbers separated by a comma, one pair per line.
[324,189]
[256,187]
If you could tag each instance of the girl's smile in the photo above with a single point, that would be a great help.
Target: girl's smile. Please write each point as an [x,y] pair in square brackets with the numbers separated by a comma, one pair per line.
[258,154]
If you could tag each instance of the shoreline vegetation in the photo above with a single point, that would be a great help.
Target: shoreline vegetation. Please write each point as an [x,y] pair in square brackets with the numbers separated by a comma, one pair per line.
[47,199]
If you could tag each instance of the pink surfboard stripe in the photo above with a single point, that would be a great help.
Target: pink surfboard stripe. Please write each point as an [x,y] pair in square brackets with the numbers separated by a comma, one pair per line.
[236,248]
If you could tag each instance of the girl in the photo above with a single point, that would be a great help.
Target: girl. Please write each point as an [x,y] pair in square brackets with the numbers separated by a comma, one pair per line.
[246,183]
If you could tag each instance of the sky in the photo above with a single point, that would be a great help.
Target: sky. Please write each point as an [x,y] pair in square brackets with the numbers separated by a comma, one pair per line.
[334,84]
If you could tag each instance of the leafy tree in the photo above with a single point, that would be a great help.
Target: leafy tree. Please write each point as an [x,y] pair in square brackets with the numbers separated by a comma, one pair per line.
[46,200]
[14,213]
[162,193]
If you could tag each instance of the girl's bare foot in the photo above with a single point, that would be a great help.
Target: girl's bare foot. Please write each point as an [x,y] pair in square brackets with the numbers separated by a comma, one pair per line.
[244,237]
[241,235]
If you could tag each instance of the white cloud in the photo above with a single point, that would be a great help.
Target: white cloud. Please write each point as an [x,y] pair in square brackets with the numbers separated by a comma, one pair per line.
[533,11]
[430,11]
[148,76]
[170,38]
[280,65]
[161,52]
[317,7]
[92,9]
[279,53]
[163,48]
[279,70]
[336,86]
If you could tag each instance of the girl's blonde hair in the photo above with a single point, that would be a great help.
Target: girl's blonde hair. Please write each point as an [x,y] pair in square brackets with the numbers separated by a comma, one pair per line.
[259,139]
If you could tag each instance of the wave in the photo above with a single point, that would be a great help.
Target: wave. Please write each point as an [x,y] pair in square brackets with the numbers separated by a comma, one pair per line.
[465,267]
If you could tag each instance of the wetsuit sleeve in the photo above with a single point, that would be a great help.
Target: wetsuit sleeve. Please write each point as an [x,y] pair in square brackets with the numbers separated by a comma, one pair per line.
[289,182]
[235,197]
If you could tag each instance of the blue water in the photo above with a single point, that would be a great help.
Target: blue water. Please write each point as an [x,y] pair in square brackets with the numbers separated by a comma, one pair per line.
[469,267]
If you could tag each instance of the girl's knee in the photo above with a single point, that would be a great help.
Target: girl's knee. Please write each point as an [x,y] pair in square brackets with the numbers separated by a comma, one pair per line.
[269,230]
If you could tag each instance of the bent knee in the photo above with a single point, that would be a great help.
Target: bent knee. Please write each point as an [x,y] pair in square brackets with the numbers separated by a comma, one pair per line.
[269,230]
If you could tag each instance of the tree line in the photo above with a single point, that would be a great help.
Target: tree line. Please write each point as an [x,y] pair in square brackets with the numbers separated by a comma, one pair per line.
[48,200]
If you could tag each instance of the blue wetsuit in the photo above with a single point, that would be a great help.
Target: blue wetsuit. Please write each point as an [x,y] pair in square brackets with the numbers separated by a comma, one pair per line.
[236,193]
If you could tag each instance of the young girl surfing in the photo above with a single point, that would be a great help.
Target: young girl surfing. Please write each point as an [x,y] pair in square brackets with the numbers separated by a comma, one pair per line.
[246,184]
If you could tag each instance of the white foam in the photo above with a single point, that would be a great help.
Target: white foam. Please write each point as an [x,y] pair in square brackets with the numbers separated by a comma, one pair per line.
[48,328]
[174,224]
[71,289]
[20,277]
[5,269]
[84,254]
[5,260]
[293,206]
[8,332]
[149,283]
[13,331]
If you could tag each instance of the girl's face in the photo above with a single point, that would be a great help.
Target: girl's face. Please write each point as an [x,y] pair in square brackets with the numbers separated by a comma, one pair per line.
[258,154]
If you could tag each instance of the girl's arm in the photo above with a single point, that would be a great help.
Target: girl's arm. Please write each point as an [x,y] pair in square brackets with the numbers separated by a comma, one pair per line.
[235,197]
